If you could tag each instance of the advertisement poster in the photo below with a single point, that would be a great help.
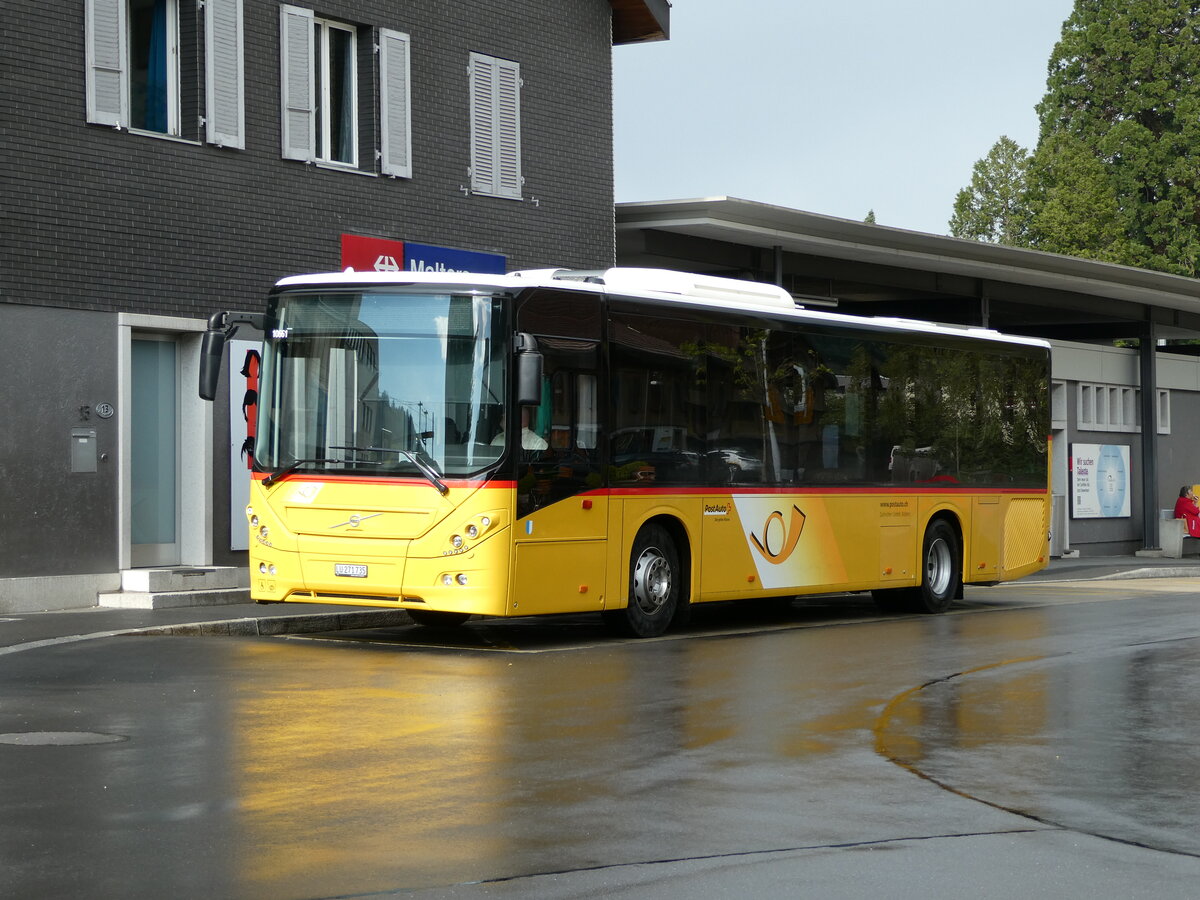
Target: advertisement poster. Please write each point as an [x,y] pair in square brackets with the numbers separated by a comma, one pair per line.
[1100,481]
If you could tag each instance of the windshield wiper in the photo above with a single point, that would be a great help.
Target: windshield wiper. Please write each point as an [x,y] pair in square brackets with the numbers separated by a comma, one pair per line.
[425,468]
[293,466]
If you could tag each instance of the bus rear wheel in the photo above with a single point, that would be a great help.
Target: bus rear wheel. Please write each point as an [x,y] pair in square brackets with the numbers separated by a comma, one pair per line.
[434,618]
[655,582]
[941,569]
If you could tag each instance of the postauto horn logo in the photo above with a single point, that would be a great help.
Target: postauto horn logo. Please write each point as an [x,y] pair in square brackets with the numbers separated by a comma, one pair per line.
[779,538]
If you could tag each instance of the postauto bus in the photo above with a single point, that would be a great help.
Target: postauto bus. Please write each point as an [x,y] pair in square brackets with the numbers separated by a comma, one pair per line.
[629,442]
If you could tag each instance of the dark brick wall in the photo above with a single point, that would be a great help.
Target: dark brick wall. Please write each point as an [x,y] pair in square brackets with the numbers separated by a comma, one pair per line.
[105,220]
[97,221]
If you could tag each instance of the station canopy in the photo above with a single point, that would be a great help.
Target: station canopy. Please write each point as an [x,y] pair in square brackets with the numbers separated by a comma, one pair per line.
[874,270]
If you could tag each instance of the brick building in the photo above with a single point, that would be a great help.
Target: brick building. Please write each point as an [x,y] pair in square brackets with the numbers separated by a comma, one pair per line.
[166,159]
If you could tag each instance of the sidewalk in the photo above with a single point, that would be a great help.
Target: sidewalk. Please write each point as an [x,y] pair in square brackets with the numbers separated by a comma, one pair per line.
[23,629]
[1097,568]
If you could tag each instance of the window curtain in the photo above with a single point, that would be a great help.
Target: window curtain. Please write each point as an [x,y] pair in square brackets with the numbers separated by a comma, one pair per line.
[343,104]
[156,75]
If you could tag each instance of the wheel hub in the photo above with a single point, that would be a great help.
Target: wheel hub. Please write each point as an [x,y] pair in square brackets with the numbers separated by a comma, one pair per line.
[651,580]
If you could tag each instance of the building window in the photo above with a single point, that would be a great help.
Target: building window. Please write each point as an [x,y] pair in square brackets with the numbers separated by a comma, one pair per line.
[320,90]
[1058,405]
[1106,407]
[319,81]
[149,70]
[336,73]
[495,86]
[1164,411]
[154,66]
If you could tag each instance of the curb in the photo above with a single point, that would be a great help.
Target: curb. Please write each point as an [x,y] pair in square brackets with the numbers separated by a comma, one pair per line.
[1152,572]
[253,626]
[249,626]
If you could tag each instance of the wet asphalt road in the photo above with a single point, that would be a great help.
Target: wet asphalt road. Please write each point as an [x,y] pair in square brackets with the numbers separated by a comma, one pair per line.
[1041,740]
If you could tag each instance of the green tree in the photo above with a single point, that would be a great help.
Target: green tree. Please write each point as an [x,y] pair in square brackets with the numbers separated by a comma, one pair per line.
[992,208]
[1123,88]
[1071,204]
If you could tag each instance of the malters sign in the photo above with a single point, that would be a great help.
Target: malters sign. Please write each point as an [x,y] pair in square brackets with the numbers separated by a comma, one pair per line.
[372,254]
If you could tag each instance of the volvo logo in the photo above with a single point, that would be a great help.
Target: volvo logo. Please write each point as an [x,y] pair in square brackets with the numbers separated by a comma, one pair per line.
[355,520]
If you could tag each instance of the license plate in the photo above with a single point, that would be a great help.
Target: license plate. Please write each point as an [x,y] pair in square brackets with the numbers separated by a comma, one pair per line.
[349,570]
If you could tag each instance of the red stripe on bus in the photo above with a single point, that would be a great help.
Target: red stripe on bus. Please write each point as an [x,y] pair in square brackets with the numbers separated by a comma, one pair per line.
[376,480]
[812,491]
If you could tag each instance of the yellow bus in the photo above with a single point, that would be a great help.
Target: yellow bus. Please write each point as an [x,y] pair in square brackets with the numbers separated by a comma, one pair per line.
[630,442]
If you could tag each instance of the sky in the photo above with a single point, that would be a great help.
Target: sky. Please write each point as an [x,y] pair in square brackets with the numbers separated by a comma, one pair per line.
[836,107]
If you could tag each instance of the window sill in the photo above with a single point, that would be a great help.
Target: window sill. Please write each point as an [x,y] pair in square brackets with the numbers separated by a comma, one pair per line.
[340,167]
[160,136]
[477,193]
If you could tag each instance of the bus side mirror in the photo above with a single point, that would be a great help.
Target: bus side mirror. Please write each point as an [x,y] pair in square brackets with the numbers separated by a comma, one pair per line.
[529,371]
[212,349]
[221,327]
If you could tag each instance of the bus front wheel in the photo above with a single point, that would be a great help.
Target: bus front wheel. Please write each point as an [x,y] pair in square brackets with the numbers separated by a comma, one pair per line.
[654,585]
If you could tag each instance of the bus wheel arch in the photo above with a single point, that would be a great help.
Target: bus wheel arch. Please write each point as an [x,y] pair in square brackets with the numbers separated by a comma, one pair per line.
[660,564]
[940,567]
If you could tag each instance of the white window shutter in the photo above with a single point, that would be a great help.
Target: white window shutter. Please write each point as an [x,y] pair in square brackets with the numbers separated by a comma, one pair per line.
[107,69]
[224,74]
[483,126]
[395,116]
[508,130]
[495,86]
[299,120]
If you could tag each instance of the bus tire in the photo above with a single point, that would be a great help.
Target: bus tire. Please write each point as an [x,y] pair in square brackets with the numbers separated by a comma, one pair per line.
[655,580]
[941,569]
[433,618]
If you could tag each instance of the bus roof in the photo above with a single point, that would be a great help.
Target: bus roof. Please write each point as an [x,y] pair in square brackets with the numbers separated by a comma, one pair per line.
[653,284]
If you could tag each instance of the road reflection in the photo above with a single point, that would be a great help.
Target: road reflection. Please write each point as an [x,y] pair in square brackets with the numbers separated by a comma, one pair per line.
[1101,741]
[350,753]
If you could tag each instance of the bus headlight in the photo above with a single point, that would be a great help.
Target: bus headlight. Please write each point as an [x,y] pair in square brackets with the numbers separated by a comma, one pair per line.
[475,529]
[461,579]
[456,541]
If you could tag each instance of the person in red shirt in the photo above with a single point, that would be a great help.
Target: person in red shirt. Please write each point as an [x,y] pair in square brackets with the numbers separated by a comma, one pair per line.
[1188,509]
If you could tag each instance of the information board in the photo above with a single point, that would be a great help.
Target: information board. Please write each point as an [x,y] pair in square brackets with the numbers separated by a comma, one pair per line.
[1100,481]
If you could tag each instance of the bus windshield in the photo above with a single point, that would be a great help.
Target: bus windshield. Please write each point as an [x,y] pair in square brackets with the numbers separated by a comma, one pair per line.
[382,382]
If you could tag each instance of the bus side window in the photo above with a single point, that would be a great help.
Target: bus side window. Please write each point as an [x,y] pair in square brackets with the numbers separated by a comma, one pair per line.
[567,328]
[658,403]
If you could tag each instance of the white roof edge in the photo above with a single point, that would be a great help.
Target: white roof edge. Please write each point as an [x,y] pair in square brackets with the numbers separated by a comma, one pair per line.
[659,284]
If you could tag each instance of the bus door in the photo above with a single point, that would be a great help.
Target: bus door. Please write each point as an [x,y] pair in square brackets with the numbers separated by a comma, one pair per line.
[562,517]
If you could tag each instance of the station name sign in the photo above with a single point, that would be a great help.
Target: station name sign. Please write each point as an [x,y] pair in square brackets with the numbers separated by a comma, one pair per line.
[372,254]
